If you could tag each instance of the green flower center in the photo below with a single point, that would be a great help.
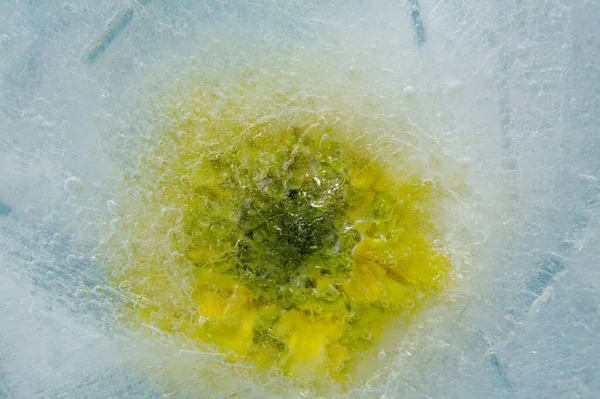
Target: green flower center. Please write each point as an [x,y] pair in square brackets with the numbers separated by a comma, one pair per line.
[280,235]
[286,225]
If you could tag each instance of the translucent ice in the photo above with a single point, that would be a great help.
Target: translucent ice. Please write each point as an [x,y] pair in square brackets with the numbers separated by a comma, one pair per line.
[500,103]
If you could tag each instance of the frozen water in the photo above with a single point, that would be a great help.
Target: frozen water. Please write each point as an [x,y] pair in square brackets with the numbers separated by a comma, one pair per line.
[512,88]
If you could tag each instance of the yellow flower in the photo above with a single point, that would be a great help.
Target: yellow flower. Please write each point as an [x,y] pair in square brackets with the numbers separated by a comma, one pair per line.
[285,230]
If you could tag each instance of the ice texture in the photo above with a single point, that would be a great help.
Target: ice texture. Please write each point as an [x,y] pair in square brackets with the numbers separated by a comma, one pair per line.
[510,89]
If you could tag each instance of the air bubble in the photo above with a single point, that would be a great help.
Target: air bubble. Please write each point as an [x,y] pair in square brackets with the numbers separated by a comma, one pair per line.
[381,355]
[124,286]
[453,86]
[111,206]
[73,185]
[409,91]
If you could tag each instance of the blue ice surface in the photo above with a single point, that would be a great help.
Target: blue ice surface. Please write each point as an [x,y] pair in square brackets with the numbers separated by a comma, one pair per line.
[4,209]
[113,29]
[417,21]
